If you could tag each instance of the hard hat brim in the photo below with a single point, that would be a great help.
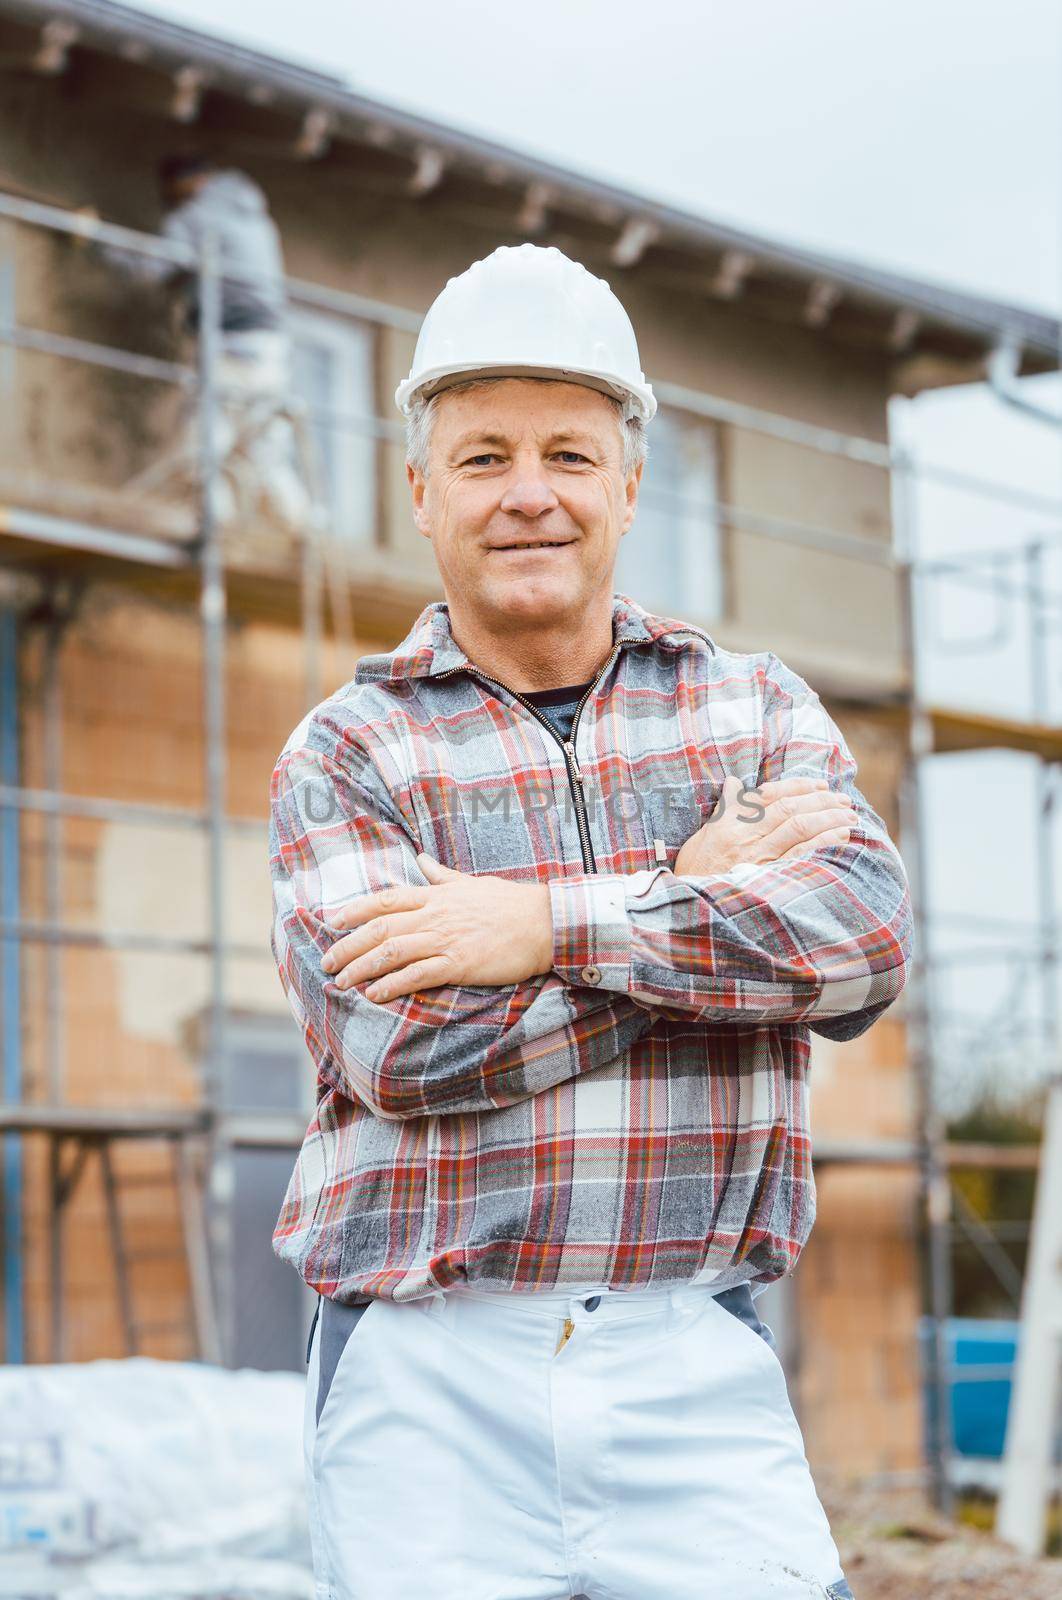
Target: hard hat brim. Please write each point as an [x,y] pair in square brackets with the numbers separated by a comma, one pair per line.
[636,400]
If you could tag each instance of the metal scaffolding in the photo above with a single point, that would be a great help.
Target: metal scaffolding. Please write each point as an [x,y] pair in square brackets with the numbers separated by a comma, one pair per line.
[928,729]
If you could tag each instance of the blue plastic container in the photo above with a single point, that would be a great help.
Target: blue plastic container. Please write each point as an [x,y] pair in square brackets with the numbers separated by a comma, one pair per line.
[981,1353]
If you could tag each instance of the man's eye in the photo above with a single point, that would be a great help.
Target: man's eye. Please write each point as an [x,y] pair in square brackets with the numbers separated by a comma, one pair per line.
[480,461]
[571,458]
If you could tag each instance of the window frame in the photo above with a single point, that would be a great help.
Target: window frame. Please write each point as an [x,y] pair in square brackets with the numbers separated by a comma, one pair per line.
[703,569]
[352,342]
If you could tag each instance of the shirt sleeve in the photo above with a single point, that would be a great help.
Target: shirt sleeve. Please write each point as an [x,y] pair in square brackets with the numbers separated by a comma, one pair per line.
[823,939]
[335,835]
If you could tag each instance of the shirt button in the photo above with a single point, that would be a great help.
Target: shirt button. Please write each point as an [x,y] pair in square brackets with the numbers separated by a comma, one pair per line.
[591,974]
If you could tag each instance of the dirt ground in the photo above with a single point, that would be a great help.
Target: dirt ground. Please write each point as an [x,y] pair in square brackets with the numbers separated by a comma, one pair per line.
[895,1547]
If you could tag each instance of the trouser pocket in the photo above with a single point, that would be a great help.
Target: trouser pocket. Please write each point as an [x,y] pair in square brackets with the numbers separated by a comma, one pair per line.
[740,1304]
[338,1323]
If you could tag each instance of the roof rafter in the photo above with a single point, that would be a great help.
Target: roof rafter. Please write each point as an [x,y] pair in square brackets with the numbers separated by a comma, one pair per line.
[53,54]
[635,237]
[315,134]
[188,85]
[734,267]
[534,213]
[428,172]
[822,297]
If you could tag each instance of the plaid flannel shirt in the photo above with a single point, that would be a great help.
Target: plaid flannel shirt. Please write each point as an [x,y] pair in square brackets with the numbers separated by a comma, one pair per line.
[638,1115]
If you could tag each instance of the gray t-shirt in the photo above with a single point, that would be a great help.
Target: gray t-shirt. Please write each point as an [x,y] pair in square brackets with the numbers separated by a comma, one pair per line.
[559,705]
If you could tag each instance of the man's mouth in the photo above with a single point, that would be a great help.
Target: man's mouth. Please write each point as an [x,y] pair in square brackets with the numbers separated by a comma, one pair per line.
[534,544]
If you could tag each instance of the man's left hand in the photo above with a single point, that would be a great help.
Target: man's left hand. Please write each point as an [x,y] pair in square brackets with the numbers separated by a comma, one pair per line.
[456,929]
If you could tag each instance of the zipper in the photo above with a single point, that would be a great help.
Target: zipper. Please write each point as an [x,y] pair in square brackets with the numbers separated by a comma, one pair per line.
[575,785]
[575,776]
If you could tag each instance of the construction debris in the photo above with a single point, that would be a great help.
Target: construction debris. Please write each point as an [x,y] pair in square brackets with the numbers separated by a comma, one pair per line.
[152,1480]
[893,1545]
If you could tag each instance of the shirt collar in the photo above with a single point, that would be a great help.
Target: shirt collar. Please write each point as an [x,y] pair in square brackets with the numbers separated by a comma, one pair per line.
[429,649]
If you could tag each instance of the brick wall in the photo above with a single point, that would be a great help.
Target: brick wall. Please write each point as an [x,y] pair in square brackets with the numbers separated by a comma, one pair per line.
[123,1026]
[128,1029]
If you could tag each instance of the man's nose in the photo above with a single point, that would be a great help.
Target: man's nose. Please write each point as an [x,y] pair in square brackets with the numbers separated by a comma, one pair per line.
[529,492]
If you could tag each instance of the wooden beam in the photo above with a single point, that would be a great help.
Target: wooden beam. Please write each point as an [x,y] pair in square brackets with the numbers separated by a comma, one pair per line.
[315,134]
[188,86]
[957,1155]
[960,1156]
[973,730]
[88,1122]
[636,235]
[923,370]
[822,297]
[53,53]
[534,212]
[904,327]
[729,280]
[428,172]
[863,1153]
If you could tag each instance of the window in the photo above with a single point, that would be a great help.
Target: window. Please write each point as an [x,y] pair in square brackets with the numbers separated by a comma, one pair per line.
[332,359]
[671,558]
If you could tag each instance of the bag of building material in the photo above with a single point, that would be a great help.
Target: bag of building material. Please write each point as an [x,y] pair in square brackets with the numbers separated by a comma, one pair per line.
[153,1479]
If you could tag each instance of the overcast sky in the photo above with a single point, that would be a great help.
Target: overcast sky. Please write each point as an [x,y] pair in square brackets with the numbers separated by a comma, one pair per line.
[920,135]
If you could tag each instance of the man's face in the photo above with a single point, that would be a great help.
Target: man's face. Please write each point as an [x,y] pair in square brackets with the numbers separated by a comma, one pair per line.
[525,501]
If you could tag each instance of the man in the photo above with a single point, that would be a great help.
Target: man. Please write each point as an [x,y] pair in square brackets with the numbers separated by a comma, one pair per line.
[254,440]
[561,1020]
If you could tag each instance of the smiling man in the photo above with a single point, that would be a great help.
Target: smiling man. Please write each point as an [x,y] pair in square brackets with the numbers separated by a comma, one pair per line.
[561,891]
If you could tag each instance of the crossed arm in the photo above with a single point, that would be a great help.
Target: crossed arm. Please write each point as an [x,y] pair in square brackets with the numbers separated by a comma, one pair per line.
[457,1046]
[458,993]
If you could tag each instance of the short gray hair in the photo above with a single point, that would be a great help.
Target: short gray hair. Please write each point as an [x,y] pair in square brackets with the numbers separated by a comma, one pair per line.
[422,416]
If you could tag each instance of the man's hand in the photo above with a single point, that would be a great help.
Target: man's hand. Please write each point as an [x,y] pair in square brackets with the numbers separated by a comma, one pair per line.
[787,817]
[458,929]
[86,219]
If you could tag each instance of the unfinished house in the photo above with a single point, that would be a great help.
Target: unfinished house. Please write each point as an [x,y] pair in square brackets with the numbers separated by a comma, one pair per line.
[154,658]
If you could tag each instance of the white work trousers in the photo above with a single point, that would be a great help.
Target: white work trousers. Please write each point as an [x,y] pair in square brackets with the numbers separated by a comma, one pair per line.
[261,469]
[255,441]
[467,1450]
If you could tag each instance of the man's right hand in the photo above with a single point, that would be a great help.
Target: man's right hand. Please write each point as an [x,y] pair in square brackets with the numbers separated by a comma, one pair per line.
[87,218]
[786,817]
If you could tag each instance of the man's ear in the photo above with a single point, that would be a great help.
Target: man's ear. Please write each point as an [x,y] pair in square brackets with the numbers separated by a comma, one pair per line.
[630,490]
[418,488]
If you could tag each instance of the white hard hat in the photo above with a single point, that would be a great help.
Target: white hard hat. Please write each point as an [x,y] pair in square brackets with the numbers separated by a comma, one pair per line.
[529,312]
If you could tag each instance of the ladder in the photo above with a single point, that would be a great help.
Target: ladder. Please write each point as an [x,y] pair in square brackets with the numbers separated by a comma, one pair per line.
[1032,1423]
[75,1134]
[187,1179]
